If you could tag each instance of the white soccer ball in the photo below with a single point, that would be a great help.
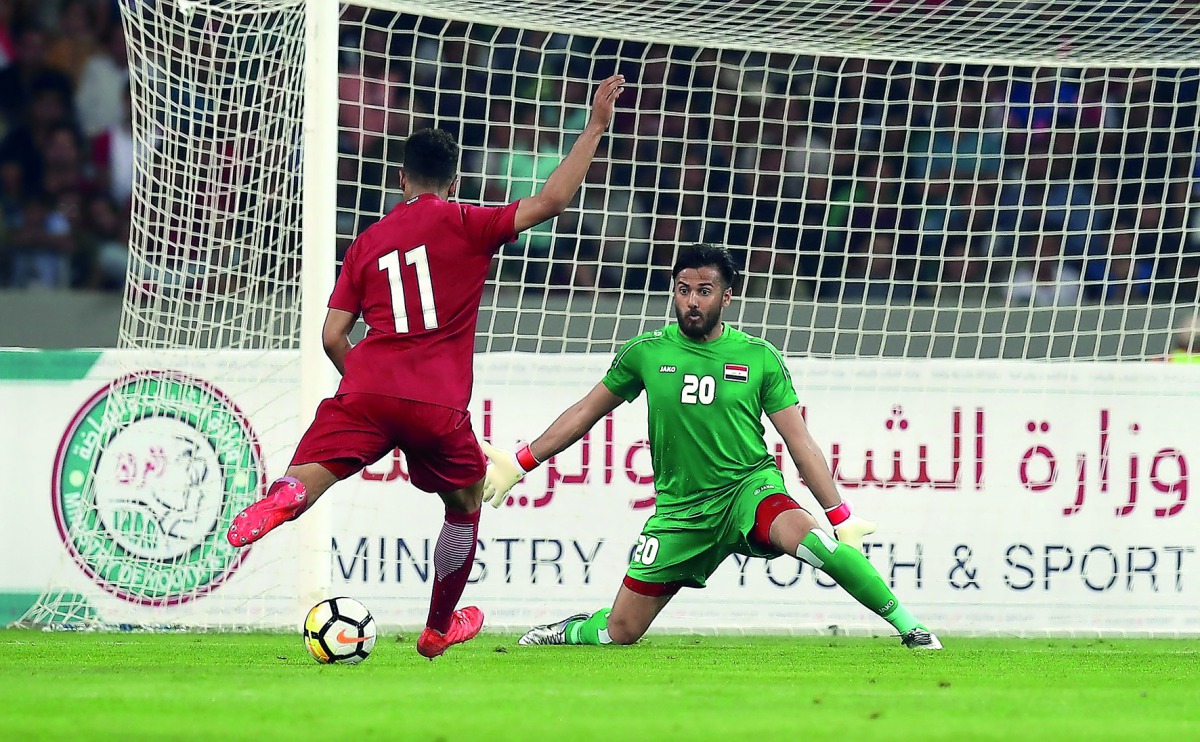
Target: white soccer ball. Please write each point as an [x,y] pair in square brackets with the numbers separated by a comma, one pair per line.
[339,631]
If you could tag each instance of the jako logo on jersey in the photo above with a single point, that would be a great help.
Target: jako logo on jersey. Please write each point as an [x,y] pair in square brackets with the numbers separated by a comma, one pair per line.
[735,372]
[666,369]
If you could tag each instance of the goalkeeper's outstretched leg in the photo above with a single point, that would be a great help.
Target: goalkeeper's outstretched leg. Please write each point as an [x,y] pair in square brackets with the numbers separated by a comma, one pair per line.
[636,606]
[778,524]
[793,531]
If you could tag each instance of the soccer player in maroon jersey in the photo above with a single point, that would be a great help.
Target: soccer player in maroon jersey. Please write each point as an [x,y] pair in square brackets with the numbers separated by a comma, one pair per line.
[416,277]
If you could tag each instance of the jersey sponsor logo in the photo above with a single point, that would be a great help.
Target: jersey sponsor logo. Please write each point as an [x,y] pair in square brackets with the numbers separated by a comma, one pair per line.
[737,372]
[147,479]
[666,369]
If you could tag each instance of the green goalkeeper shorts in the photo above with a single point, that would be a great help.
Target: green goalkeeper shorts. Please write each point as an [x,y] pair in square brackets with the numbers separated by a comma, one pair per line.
[688,550]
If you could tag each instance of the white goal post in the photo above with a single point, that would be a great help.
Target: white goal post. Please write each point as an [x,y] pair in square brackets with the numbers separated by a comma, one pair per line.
[915,189]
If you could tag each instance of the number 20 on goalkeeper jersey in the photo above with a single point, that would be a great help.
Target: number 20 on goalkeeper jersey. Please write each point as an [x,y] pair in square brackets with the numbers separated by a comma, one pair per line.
[705,403]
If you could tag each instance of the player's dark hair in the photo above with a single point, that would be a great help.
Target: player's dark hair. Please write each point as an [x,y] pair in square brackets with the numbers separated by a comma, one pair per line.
[431,158]
[704,254]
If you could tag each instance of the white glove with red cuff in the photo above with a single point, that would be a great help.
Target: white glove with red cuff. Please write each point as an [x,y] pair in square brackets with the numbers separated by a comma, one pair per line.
[504,471]
[848,528]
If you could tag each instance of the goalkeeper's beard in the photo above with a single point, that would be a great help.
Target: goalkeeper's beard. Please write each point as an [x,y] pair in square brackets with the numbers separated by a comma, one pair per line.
[697,328]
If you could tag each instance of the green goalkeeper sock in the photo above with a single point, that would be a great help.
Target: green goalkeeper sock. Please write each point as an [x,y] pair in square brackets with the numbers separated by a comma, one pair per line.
[591,630]
[850,569]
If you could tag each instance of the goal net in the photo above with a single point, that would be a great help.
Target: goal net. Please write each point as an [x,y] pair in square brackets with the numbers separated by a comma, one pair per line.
[899,180]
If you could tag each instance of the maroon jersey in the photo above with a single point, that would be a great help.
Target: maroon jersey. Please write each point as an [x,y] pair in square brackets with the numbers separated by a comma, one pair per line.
[417,277]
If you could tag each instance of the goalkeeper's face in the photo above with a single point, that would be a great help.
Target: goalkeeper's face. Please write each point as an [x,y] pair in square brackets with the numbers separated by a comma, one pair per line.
[700,297]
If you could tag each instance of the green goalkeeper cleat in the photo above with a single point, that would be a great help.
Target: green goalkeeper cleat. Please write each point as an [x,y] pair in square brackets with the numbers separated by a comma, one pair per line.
[550,634]
[919,638]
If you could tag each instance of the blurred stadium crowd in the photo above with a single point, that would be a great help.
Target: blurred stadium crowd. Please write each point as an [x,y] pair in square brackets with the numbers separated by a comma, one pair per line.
[845,180]
[66,149]
[835,179]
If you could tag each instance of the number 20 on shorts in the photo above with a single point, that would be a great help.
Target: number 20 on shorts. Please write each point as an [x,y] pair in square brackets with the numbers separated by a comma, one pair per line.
[646,550]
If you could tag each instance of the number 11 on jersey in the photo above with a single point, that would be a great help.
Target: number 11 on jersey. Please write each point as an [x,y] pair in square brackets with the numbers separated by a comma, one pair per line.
[418,258]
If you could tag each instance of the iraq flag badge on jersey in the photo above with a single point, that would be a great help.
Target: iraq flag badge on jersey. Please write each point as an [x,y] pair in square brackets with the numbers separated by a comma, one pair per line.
[737,372]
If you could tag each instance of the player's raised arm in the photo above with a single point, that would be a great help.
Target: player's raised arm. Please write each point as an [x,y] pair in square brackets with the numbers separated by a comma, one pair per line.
[815,470]
[507,468]
[560,188]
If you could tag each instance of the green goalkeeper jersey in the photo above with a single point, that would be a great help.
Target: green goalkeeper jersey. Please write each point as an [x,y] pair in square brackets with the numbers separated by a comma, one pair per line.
[706,402]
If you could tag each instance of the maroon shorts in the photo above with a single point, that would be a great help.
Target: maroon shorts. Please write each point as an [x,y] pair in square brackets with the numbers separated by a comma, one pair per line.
[353,431]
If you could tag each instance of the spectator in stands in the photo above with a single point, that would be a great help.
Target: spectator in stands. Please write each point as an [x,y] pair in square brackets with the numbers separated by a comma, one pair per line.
[876,274]
[1096,110]
[368,94]
[112,158]
[960,144]
[1046,278]
[1144,156]
[377,109]
[1121,275]
[12,192]
[26,144]
[969,236]
[513,170]
[23,80]
[76,40]
[938,201]
[619,218]
[8,46]
[81,258]
[808,163]
[10,211]
[668,233]
[102,95]
[1038,105]
[42,246]
[1160,240]
[770,266]
[860,208]
[64,168]
[108,236]
[1055,192]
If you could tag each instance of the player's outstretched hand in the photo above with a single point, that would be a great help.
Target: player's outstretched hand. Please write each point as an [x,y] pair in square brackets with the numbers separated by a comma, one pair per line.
[852,530]
[605,100]
[503,472]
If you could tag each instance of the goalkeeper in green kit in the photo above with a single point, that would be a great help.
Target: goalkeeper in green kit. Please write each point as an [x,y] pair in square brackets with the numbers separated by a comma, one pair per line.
[718,490]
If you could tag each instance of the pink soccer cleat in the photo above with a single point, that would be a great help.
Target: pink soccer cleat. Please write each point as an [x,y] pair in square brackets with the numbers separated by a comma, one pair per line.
[464,626]
[285,500]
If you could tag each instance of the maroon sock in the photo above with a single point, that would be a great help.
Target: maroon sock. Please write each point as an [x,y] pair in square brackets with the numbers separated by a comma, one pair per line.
[452,560]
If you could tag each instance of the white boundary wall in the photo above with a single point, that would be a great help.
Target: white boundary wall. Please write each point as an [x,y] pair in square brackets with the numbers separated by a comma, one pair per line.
[1022,498]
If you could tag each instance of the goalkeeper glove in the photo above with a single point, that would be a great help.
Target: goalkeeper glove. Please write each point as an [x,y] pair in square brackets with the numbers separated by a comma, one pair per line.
[504,470]
[849,529]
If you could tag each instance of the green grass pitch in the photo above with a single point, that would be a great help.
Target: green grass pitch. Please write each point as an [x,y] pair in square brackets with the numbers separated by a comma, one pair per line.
[98,686]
